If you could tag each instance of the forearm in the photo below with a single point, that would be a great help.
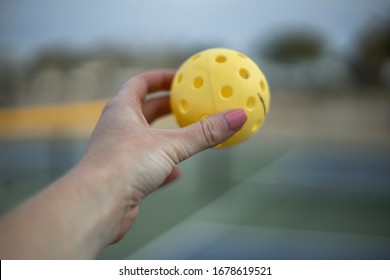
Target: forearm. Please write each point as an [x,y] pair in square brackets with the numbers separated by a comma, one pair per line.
[74,218]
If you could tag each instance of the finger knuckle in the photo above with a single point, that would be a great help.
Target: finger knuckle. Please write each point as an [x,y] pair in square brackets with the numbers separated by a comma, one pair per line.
[209,131]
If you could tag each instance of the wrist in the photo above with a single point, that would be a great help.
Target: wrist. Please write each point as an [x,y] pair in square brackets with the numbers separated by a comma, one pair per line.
[105,201]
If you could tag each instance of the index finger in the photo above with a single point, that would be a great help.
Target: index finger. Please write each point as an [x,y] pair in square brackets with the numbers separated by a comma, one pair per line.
[148,82]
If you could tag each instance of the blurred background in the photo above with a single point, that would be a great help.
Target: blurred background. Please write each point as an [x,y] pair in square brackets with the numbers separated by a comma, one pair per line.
[313,183]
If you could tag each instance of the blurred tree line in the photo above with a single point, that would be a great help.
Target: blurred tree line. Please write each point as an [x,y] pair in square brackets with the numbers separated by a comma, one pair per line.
[62,74]
[294,46]
[366,66]
[373,54]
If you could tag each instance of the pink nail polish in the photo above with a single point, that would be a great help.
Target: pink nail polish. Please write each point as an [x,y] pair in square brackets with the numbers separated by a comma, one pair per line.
[236,118]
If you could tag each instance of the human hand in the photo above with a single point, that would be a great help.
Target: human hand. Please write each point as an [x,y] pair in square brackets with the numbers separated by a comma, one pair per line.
[137,159]
[95,203]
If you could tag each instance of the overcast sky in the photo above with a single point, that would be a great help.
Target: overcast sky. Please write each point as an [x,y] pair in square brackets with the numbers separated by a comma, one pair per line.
[28,25]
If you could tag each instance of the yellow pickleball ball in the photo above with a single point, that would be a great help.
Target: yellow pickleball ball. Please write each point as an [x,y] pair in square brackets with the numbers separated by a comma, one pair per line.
[216,80]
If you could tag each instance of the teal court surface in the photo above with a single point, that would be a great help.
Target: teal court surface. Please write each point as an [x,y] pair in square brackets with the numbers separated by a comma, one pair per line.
[259,200]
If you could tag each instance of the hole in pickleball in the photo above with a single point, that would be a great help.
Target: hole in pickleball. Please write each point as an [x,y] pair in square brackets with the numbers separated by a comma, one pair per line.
[256,126]
[262,86]
[250,103]
[226,92]
[198,82]
[183,106]
[244,73]
[220,59]
[179,78]
[195,57]
[241,55]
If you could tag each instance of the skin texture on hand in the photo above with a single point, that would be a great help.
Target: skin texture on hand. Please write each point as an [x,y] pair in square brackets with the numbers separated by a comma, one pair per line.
[126,160]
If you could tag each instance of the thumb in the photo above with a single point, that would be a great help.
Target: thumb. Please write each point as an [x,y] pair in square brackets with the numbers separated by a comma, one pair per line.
[209,132]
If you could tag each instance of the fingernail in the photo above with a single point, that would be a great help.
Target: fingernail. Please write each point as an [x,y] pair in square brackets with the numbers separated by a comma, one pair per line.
[236,118]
